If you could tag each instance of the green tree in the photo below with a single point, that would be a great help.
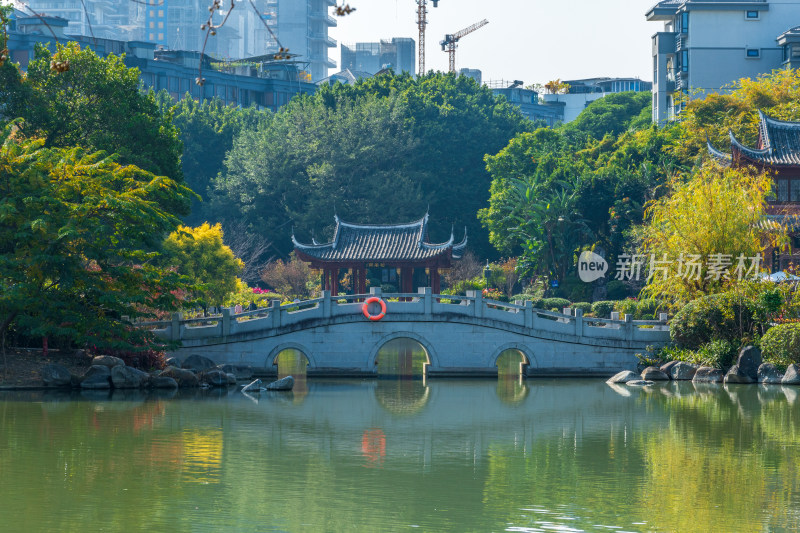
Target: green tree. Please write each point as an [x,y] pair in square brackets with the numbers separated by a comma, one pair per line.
[79,235]
[97,104]
[207,130]
[614,161]
[382,150]
[200,255]
[612,115]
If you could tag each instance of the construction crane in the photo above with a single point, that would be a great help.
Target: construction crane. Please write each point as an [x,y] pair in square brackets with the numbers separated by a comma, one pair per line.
[422,21]
[451,41]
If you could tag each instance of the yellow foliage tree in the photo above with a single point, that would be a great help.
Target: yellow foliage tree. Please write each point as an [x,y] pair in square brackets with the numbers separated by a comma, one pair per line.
[200,254]
[711,118]
[704,234]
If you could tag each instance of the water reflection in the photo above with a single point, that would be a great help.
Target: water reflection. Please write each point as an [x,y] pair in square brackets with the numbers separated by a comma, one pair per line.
[379,455]
[402,397]
[511,389]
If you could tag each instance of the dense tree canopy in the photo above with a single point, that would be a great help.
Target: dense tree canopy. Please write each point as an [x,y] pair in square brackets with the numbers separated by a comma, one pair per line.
[207,130]
[555,191]
[382,150]
[97,104]
[79,234]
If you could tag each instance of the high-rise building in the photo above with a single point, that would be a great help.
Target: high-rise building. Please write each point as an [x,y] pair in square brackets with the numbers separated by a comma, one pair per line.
[707,44]
[106,19]
[398,54]
[300,26]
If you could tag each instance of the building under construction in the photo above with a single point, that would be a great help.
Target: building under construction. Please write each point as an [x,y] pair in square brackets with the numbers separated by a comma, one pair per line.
[399,54]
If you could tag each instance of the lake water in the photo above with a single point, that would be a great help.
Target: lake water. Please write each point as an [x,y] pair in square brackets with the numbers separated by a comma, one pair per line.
[382,455]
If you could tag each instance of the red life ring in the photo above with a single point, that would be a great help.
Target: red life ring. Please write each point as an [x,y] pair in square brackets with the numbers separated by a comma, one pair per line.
[374,300]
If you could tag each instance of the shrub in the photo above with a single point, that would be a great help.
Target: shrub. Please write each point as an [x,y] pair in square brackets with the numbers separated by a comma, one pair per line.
[461,287]
[524,296]
[626,307]
[557,303]
[725,316]
[144,359]
[586,307]
[781,345]
[719,354]
[648,309]
[602,309]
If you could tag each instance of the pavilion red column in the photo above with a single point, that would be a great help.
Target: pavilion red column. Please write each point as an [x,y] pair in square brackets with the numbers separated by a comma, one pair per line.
[335,281]
[407,278]
[436,285]
[362,278]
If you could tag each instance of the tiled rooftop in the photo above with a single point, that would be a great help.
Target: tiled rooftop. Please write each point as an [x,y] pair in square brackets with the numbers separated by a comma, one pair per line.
[380,243]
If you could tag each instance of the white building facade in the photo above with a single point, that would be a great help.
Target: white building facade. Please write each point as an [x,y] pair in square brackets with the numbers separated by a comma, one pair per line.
[708,44]
[583,92]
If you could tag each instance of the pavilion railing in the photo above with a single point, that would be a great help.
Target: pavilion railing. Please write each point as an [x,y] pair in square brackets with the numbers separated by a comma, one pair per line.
[403,306]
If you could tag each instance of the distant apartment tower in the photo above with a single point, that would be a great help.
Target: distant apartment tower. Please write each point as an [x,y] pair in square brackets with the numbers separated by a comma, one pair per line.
[106,19]
[473,73]
[585,91]
[302,27]
[708,44]
[399,53]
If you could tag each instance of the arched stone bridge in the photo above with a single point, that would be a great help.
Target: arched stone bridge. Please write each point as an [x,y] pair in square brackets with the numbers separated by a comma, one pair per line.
[461,336]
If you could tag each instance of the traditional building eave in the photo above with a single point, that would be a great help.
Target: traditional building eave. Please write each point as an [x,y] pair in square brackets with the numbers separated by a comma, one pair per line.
[721,157]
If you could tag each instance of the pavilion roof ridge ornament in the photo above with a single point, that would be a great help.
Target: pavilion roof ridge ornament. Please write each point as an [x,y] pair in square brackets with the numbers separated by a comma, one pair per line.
[417,223]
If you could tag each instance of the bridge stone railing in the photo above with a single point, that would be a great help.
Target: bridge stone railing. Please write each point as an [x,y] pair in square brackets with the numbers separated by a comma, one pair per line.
[421,306]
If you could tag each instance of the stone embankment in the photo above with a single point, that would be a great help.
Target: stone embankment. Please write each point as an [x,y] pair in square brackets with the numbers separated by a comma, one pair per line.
[749,368]
[107,372]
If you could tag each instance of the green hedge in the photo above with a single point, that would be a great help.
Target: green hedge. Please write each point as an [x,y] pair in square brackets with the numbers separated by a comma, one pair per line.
[781,345]
[586,307]
[551,303]
[603,309]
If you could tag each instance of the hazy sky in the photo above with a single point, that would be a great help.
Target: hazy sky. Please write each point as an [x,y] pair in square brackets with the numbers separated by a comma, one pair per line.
[528,40]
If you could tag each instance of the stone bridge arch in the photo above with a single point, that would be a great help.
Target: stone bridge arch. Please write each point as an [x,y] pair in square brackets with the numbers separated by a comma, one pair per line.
[528,356]
[273,355]
[433,359]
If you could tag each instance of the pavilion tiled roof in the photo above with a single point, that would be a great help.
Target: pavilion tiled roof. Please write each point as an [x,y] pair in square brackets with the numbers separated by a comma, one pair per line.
[779,143]
[380,243]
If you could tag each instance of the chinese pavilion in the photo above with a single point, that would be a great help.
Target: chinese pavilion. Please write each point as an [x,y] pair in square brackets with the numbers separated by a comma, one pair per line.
[390,247]
[778,151]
